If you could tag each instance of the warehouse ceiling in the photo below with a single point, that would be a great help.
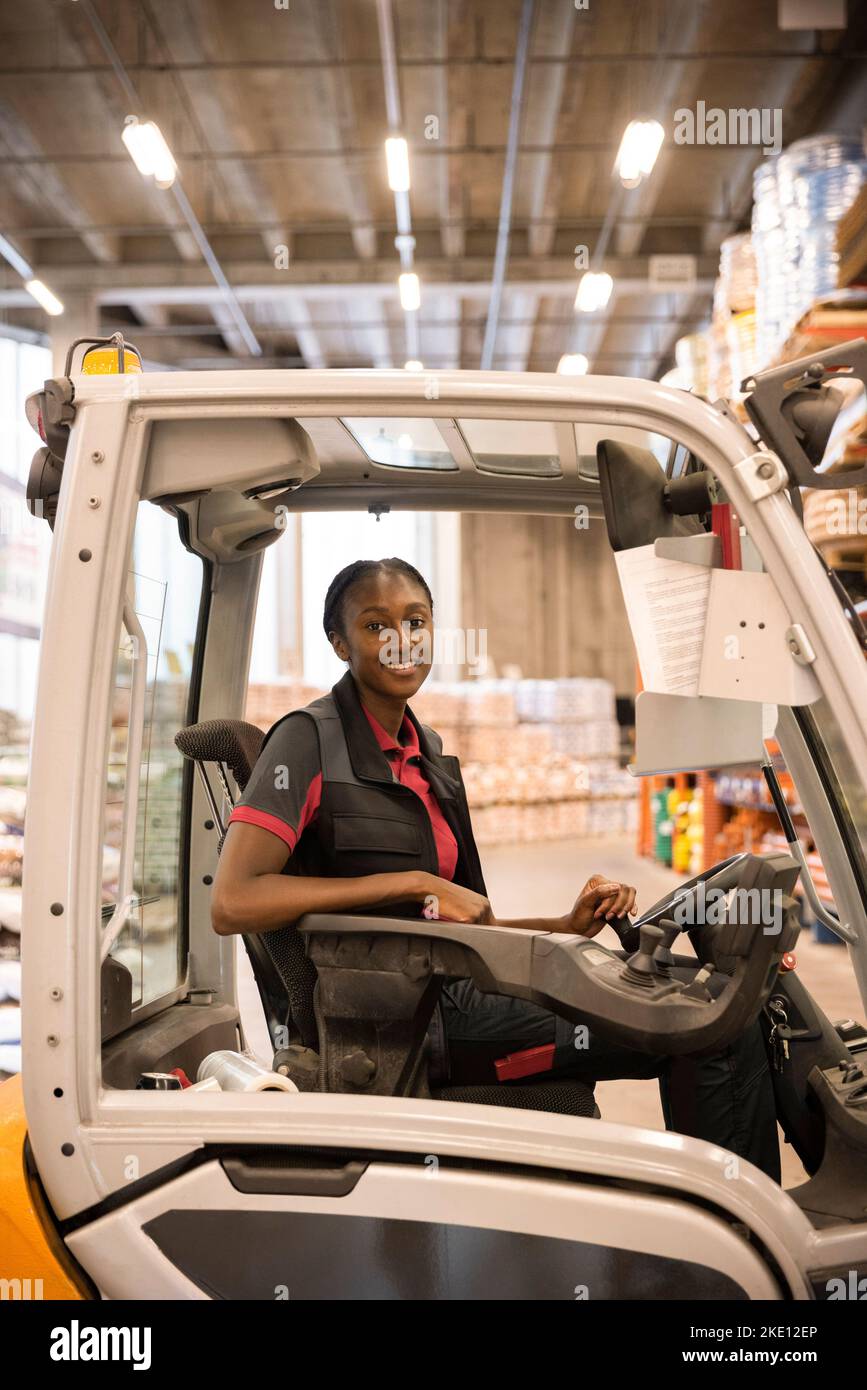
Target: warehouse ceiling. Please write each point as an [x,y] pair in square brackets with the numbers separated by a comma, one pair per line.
[277,112]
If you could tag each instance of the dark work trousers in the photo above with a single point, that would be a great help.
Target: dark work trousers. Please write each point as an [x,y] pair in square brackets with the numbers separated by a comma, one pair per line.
[726,1098]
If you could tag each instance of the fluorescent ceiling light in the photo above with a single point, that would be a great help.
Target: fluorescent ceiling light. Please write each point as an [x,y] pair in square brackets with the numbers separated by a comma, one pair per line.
[573,364]
[410,290]
[150,153]
[638,150]
[397,163]
[594,291]
[413,365]
[42,294]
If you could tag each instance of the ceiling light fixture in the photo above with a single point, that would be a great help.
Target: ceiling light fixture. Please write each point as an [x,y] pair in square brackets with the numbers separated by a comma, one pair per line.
[149,152]
[397,163]
[36,288]
[410,291]
[641,143]
[594,291]
[43,296]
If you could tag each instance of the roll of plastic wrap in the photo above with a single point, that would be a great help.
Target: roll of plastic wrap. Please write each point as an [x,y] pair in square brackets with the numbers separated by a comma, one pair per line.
[235,1071]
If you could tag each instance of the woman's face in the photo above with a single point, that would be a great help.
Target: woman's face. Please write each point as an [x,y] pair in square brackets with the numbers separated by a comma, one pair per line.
[387,634]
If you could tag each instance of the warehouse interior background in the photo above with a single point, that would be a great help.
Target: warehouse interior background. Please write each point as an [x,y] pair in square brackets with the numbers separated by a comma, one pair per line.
[280,241]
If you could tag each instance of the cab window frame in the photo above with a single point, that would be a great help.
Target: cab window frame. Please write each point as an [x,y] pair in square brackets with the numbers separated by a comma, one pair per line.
[148,1008]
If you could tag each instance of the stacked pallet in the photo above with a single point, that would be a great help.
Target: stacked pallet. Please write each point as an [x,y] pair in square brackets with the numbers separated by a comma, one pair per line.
[269,701]
[539,758]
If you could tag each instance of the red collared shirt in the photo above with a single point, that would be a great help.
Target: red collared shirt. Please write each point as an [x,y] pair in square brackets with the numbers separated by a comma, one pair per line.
[287,809]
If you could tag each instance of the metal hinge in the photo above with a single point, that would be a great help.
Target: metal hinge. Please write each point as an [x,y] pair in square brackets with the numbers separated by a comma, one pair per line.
[762,474]
[799,645]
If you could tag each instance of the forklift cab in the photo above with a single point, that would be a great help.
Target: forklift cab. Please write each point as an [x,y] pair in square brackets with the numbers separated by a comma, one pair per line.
[359,1182]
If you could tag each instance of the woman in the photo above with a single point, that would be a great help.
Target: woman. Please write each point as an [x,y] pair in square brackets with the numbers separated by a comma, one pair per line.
[353,806]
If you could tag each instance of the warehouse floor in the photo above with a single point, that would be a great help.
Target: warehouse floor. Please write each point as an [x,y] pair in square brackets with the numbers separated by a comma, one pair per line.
[544,879]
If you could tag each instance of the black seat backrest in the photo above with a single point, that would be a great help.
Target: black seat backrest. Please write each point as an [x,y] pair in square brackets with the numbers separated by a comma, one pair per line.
[284,975]
[229,742]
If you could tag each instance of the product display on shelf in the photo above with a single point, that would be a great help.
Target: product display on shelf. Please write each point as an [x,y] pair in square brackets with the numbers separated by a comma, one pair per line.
[690,822]
[808,239]
[799,199]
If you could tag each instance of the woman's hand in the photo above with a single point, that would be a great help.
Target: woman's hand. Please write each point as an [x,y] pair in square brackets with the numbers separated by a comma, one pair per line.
[599,901]
[450,902]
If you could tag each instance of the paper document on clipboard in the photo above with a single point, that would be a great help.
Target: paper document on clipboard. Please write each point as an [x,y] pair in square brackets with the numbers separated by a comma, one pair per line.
[667,603]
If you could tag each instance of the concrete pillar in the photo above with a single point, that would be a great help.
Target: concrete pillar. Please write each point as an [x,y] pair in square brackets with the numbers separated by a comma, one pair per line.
[548,595]
[290,596]
[444,577]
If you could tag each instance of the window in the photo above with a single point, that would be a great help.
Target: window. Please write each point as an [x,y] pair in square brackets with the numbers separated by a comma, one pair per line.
[844,786]
[402,443]
[143,813]
[527,447]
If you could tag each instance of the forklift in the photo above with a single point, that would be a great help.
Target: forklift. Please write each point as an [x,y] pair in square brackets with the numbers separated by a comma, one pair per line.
[359,1177]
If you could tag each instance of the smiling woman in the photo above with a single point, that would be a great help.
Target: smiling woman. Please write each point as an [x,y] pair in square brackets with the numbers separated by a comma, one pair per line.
[353,807]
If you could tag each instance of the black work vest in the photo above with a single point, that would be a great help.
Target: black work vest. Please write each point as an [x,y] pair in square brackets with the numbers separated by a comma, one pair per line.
[368,822]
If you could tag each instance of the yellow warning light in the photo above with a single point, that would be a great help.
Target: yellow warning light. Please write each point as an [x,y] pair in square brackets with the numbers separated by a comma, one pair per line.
[104,356]
[110,361]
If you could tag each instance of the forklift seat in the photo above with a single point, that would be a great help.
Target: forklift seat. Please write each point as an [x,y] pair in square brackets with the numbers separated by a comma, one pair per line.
[284,974]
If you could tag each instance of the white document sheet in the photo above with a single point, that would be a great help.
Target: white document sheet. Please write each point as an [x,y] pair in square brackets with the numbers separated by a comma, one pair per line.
[667,603]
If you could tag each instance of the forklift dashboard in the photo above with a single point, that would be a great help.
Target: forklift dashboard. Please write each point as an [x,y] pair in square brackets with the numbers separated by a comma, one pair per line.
[650,1000]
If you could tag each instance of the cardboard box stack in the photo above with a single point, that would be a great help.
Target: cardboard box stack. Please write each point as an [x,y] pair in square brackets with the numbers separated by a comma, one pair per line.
[539,758]
[268,702]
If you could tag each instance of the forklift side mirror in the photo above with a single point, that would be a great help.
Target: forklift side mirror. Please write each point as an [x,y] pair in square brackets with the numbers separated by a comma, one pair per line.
[794,409]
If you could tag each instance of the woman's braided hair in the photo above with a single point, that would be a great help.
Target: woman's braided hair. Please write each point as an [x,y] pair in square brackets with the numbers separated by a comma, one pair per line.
[332,617]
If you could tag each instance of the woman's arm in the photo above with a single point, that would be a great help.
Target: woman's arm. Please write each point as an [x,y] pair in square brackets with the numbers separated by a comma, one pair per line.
[252,894]
[599,901]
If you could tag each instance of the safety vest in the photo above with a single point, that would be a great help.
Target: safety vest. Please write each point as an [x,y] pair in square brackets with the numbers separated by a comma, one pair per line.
[368,822]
